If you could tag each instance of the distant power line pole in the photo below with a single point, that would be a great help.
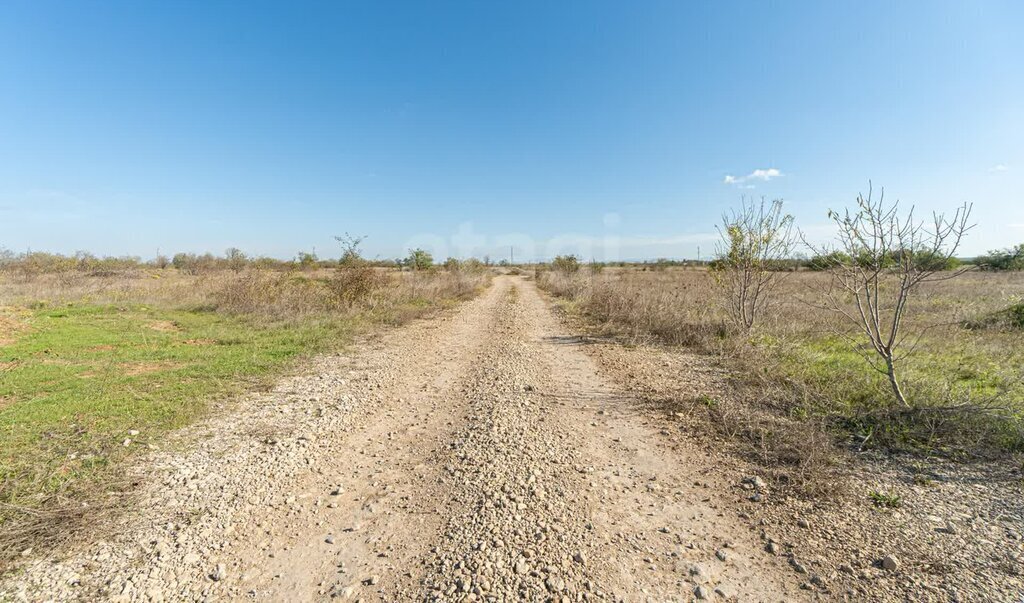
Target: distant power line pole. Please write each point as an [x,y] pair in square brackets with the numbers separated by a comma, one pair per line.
[511,255]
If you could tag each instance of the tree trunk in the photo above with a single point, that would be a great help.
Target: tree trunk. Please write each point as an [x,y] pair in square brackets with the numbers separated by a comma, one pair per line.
[896,390]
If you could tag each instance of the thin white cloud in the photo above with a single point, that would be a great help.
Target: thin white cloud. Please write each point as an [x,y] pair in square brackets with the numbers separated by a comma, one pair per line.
[764,175]
[999,167]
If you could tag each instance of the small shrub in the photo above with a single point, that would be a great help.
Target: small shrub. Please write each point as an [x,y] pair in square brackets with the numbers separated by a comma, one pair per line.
[354,284]
[306,260]
[1015,316]
[473,266]
[236,260]
[756,241]
[192,264]
[350,253]
[1011,318]
[566,264]
[419,259]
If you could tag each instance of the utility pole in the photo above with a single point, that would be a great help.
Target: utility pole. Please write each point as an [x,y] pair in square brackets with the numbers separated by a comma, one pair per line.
[511,255]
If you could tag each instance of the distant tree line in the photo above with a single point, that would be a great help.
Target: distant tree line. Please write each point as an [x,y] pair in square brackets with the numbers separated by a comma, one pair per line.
[1002,259]
[41,262]
[31,263]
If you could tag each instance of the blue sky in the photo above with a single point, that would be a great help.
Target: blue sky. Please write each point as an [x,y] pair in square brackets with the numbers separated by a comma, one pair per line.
[605,128]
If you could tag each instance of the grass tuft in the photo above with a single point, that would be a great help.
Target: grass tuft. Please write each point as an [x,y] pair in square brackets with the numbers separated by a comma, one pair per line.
[885,500]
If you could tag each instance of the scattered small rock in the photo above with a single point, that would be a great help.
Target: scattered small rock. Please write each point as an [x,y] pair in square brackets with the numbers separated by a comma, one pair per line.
[219,573]
[890,563]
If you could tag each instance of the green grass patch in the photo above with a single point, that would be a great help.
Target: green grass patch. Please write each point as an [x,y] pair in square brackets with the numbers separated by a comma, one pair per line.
[885,500]
[943,375]
[81,379]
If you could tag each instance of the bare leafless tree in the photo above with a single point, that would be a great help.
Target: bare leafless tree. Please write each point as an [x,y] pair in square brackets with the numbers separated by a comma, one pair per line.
[756,241]
[879,263]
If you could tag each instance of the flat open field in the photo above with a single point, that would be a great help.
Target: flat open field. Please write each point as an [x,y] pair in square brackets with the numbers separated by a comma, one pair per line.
[506,449]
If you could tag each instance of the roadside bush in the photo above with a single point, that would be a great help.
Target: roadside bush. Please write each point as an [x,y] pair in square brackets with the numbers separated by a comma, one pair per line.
[473,265]
[566,264]
[568,285]
[354,284]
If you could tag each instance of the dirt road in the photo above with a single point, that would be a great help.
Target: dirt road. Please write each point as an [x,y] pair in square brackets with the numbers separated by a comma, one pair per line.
[479,455]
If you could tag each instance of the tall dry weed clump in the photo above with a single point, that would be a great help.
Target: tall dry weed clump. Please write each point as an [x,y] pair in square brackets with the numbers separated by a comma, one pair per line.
[673,306]
[574,286]
[355,284]
[438,285]
[798,454]
[345,291]
[279,295]
[672,314]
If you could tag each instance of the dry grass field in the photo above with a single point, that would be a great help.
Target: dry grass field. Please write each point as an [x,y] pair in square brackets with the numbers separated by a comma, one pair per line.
[963,377]
[95,367]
